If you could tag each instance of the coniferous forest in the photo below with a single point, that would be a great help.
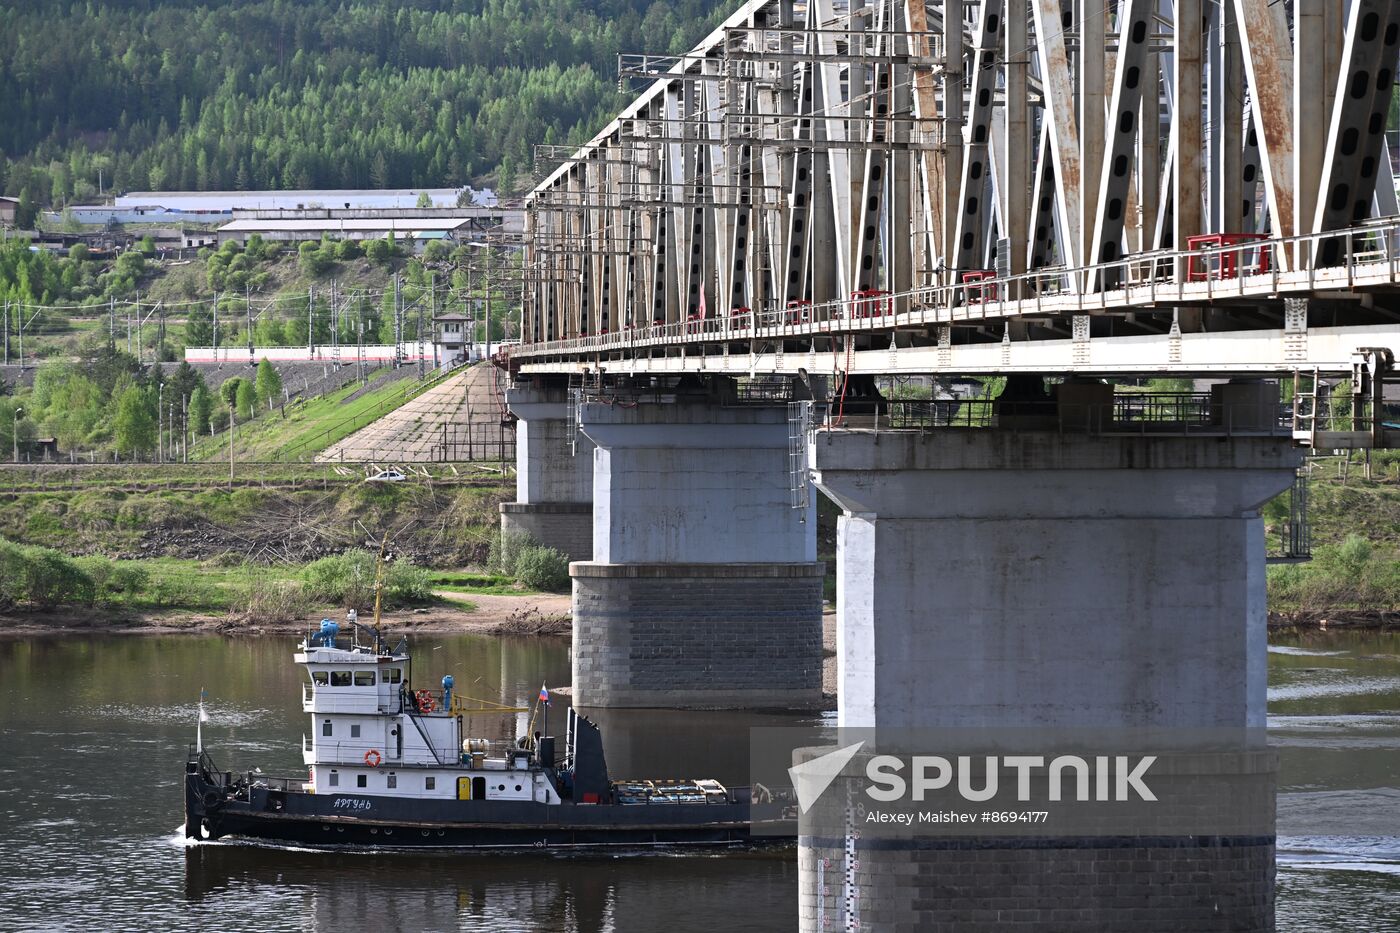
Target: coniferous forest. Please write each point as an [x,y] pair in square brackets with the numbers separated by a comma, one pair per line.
[259,94]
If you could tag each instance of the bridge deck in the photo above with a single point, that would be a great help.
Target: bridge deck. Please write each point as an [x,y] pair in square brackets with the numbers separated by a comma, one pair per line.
[1369,265]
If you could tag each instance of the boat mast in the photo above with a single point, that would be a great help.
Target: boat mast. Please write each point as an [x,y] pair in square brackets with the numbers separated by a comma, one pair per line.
[379,579]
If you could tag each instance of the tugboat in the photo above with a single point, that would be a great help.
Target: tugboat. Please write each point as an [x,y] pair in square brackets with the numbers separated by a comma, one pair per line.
[389,766]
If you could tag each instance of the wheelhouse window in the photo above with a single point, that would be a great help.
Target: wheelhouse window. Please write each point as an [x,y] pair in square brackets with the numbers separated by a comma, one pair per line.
[320,677]
[361,780]
[391,780]
[334,779]
[393,675]
[430,783]
[340,678]
[364,678]
[354,732]
[326,727]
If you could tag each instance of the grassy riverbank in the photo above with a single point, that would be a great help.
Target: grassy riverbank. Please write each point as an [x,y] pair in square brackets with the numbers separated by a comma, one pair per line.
[1355,524]
[180,538]
[296,540]
[280,514]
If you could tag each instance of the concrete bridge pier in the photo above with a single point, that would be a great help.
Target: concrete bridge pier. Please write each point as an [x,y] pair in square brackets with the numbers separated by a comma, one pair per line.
[704,590]
[554,480]
[1037,580]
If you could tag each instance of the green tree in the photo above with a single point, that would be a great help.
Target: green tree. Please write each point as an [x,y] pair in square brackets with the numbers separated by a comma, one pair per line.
[27,212]
[110,368]
[387,332]
[183,381]
[430,92]
[247,399]
[201,407]
[130,264]
[380,252]
[506,174]
[260,250]
[134,428]
[199,327]
[270,331]
[269,384]
[9,423]
[425,199]
[228,391]
[314,260]
[67,402]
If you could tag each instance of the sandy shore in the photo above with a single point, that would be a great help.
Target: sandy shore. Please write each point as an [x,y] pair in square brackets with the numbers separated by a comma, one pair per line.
[492,615]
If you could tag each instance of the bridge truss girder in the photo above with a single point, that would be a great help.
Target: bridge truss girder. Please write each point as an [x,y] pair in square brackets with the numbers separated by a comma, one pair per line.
[805,156]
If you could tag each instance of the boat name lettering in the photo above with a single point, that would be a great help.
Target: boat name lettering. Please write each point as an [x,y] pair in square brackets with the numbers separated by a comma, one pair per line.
[350,803]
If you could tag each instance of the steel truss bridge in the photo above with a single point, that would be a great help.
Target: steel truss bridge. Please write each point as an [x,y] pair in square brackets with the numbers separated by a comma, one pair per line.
[920,187]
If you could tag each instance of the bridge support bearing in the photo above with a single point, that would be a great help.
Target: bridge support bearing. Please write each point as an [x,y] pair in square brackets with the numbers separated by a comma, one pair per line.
[704,590]
[995,579]
[554,477]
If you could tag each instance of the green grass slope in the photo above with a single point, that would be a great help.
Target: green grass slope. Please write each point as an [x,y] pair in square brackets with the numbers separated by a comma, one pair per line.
[299,431]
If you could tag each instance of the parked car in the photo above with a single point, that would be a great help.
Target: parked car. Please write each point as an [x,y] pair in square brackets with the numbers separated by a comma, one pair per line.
[387,476]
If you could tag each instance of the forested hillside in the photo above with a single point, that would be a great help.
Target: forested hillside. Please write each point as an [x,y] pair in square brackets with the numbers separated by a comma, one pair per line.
[231,94]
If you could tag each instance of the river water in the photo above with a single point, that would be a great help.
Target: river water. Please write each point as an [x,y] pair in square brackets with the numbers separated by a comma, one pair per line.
[94,733]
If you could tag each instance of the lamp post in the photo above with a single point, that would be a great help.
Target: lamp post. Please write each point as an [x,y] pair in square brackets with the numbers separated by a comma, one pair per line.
[14,431]
[471,300]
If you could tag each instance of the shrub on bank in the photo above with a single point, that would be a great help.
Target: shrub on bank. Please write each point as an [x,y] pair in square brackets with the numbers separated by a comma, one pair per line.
[343,579]
[542,568]
[505,551]
[112,581]
[348,580]
[41,578]
[406,582]
[1349,575]
[262,599]
[526,561]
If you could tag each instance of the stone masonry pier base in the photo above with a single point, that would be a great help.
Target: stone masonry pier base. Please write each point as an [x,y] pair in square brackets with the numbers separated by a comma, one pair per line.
[697,635]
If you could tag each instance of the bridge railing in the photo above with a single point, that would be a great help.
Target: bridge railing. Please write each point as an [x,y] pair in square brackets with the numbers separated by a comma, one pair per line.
[1128,413]
[1220,266]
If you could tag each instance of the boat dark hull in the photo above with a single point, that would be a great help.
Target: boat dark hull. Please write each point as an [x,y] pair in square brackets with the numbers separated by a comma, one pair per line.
[211,812]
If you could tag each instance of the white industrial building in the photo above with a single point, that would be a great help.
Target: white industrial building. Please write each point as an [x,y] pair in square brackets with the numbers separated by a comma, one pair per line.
[412,229]
[348,199]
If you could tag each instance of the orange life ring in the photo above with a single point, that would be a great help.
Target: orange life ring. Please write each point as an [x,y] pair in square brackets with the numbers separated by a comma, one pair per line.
[425,700]
[372,758]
